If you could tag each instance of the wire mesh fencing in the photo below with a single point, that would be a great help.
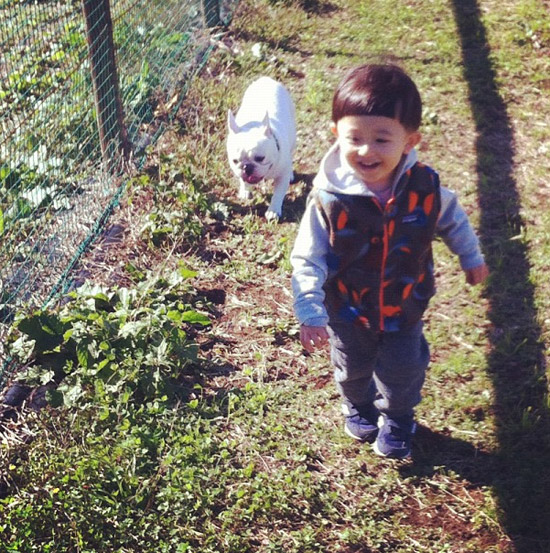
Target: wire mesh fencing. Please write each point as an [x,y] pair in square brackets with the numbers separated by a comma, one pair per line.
[79,81]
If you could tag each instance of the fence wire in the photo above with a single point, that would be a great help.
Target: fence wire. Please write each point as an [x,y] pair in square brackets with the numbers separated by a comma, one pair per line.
[55,190]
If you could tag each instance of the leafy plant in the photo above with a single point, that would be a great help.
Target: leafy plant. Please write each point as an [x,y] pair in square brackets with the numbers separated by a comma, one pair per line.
[180,208]
[123,344]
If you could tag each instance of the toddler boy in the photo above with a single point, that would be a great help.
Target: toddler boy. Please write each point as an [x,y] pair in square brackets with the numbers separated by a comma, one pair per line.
[362,262]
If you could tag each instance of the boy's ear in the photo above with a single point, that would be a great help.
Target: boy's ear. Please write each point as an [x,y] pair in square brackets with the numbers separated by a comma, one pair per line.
[334,128]
[412,141]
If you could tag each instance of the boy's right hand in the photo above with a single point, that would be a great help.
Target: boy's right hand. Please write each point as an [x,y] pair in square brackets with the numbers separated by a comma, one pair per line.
[477,274]
[313,337]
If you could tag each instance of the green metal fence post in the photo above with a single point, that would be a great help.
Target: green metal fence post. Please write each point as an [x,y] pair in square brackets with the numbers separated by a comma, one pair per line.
[101,51]
[211,11]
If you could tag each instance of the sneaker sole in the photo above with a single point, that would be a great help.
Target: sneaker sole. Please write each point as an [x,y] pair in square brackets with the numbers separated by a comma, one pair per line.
[368,439]
[389,456]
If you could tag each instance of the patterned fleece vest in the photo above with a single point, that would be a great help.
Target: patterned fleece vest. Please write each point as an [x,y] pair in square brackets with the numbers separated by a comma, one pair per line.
[380,261]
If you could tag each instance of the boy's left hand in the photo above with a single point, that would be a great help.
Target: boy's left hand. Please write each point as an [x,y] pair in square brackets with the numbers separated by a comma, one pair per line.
[477,275]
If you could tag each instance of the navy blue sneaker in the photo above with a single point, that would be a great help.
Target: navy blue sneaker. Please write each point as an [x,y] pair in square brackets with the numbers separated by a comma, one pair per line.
[361,424]
[395,436]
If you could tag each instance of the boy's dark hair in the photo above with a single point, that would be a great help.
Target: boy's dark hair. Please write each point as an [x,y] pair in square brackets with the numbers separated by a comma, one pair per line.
[374,89]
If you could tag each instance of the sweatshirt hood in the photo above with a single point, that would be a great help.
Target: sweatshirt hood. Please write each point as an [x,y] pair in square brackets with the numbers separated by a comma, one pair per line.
[335,175]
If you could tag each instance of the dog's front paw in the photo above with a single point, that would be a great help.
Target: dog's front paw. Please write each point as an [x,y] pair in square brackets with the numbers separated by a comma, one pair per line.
[245,195]
[271,215]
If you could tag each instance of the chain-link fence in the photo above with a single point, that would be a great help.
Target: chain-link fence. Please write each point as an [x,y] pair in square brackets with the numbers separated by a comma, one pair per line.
[79,84]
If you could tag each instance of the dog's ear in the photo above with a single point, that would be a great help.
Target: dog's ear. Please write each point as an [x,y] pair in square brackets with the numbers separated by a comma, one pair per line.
[231,123]
[267,125]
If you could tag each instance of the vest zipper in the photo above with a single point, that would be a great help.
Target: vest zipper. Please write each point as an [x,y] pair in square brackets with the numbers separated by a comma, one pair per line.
[385,243]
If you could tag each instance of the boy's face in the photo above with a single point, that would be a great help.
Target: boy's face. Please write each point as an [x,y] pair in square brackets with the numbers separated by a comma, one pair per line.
[373,145]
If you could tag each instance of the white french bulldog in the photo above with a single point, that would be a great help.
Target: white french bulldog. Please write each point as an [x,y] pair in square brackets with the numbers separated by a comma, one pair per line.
[261,140]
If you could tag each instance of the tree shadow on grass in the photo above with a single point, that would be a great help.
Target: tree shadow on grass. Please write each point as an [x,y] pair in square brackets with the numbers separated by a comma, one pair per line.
[519,471]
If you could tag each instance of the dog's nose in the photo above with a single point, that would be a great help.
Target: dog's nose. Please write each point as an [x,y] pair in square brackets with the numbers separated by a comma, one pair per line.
[249,168]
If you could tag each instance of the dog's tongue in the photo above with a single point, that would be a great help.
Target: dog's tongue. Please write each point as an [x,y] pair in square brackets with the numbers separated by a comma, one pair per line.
[252,179]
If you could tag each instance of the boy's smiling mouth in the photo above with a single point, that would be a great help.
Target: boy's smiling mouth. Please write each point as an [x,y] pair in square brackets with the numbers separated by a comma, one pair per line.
[368,166]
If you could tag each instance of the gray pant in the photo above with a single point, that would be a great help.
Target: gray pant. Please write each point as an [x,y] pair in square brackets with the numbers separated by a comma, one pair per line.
[385,368]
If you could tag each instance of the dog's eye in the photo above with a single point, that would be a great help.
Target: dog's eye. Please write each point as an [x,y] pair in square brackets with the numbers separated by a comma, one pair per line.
[259,159]
[235,161]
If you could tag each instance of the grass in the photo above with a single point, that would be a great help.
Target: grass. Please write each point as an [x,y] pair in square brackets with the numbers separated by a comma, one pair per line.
[240,448]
